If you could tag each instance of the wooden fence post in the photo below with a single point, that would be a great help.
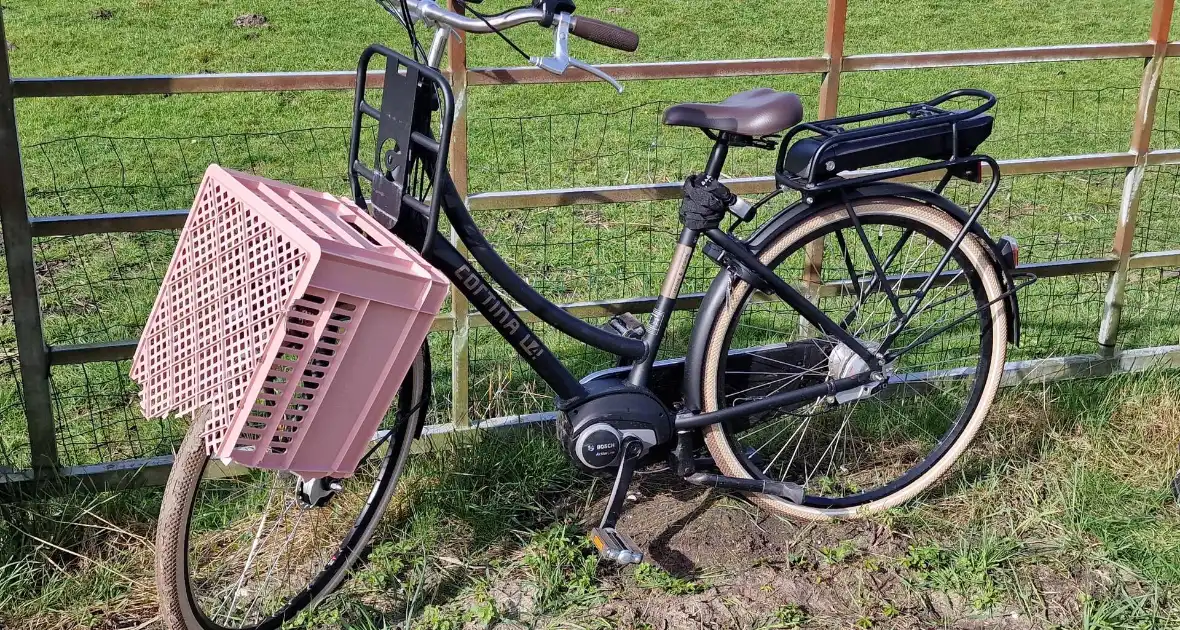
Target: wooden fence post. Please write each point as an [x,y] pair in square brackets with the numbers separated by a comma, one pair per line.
[1124,238]
[829,97]
[460,355]
[22,280]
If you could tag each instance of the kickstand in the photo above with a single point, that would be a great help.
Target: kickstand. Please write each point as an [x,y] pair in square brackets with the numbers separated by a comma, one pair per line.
[611,544]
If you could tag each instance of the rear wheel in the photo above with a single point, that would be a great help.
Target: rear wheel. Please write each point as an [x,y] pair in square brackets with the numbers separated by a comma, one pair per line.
[247,548]
[863,451]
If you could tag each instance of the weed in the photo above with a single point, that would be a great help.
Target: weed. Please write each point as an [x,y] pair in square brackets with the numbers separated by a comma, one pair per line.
[351,615]
[650,576]
[439,618]
[561,569]
[829,484]
[786,617]
[838,553]
[483,608]
[799,562]
[386,563]
[922,558]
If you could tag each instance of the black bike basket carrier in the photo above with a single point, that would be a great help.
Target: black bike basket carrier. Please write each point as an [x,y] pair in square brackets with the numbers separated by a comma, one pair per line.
[413,138]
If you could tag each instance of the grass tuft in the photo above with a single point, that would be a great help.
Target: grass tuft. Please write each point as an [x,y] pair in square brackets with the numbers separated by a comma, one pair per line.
[974,570]
[785,618]
[561,565]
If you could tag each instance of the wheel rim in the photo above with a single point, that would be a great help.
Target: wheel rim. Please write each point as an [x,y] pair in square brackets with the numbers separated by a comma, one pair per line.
[776,448]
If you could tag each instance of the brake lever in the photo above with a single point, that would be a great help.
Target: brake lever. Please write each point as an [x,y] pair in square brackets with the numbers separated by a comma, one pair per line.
[594,70]
[561,59]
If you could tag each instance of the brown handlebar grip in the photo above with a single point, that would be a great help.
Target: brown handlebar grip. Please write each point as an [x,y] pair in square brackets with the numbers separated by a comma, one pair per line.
[605,33]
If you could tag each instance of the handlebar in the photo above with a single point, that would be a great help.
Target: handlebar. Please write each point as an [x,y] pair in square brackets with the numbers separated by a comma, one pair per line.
[604,33]
[590,29]
[563,25]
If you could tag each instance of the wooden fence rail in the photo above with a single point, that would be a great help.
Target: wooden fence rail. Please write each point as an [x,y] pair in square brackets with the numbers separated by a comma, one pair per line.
[20,230]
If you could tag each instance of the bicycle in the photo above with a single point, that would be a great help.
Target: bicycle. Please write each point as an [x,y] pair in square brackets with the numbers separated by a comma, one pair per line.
[839,398]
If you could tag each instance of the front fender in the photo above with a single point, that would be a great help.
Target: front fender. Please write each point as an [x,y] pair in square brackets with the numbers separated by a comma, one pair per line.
[795,213]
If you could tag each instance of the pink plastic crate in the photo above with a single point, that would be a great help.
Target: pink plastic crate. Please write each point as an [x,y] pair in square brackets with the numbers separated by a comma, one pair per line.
[281,303]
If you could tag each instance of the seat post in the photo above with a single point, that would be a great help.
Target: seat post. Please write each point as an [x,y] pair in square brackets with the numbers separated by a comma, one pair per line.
[717,157]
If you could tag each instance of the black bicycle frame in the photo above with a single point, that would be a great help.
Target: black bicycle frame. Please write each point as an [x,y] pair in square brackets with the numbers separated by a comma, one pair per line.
[508,322]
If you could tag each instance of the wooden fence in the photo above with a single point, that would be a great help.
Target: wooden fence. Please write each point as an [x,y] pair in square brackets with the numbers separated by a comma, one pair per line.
[20,229]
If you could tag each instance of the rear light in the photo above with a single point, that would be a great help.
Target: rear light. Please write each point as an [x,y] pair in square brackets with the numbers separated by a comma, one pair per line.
[1010,250]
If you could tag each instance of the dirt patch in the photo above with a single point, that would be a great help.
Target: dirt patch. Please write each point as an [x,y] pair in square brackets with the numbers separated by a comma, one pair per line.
[251,20]
[9,46]
[755,566]
[102,14]
[47,268]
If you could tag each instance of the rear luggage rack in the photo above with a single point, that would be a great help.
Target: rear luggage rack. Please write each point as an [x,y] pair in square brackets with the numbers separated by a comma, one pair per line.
[947,137]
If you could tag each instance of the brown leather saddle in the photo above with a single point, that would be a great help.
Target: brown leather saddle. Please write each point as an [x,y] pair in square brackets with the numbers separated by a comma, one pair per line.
[754,113]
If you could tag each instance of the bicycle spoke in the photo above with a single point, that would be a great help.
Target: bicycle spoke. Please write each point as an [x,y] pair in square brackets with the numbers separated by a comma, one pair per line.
[801,428]
[254,546]
[270,570]
[901,242]
[843,425]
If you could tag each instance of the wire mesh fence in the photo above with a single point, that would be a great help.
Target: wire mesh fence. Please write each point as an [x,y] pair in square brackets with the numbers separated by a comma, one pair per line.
[631,145]
[99,174]
[1158,228]
[98,288]
[1152,310]
[14,442]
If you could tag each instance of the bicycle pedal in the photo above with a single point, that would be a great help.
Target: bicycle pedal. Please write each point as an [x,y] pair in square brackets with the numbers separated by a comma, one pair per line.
[615,545]
[626,325]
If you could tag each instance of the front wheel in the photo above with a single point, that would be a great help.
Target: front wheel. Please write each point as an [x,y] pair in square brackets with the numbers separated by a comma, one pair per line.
[863,451]
[244,548]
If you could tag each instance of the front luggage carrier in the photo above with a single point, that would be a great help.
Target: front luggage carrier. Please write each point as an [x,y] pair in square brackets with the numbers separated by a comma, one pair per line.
[411,146]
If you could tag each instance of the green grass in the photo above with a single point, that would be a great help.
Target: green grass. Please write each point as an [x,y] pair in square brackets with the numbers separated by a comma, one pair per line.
[560,563]
[1081,501]
[972,569]
[1053,515]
